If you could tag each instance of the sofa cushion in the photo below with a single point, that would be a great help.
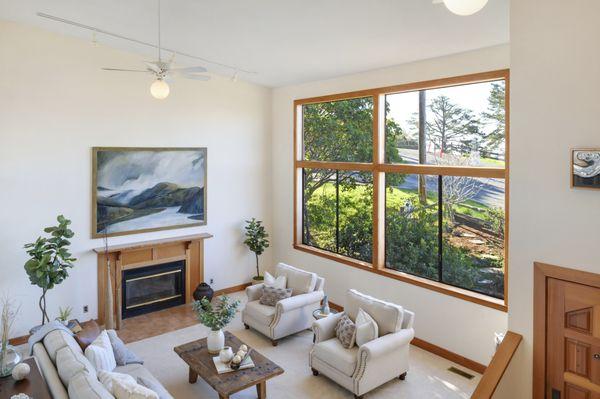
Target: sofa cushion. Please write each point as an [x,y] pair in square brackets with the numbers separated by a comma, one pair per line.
[85,386]
[272,295]
[108,378]
[123,355]
[261,313]
[145,378]
[366,328]
[70,362]
[58,339]
[388,316]
[100,353]
[130,389]
[335,355]
[300,281]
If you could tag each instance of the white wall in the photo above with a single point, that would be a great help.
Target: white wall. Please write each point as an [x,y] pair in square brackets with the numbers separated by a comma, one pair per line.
[455,324]
[56,104]
[555,59]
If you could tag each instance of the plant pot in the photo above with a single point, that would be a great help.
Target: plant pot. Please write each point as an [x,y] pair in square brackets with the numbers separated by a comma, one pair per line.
[258,280]
[215,341]
[9,358]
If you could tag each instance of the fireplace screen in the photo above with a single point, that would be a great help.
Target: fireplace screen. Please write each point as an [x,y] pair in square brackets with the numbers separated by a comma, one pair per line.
[153,288]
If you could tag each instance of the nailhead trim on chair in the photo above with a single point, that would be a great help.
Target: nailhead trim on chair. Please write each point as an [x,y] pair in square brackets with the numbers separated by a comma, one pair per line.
[360,370]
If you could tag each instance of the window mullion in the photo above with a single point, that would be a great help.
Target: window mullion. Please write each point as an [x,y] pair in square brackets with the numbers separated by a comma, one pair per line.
[337,211]
[440,226]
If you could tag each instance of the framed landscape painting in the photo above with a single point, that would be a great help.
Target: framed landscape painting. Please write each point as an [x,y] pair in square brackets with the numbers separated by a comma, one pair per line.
[137,190]
[585,168]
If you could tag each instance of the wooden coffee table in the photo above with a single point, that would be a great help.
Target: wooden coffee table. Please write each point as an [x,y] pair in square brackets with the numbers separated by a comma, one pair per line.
[196,355]
[33,385]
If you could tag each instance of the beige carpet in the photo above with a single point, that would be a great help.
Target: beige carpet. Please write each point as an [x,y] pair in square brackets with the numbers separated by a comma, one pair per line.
[427,378]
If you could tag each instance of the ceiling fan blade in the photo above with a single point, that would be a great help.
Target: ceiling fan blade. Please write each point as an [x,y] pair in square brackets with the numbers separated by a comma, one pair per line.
[196,77]
[124,70]
[195,69]
[152,66]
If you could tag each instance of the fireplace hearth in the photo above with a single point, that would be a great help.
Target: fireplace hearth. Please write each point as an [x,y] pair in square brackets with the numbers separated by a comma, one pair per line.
[152,288]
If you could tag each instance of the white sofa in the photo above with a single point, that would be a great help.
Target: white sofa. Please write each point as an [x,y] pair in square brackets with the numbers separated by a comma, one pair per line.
[290,315]
[361,369]
[69,384]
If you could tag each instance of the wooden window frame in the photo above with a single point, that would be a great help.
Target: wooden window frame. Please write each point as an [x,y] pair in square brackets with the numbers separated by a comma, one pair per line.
[378,168]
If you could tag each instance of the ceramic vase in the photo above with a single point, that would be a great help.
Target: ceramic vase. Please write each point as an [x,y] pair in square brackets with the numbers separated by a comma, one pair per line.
[215,341]
[325,308]
[226,354]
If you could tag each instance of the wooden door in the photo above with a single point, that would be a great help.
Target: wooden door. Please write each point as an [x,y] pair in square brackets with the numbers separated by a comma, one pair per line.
[573,341]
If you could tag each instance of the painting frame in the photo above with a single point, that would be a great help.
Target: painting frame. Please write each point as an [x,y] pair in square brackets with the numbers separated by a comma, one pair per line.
[572,178]
[94,185]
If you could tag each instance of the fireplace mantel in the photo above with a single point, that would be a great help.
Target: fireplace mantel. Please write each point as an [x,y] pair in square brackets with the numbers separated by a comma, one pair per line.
[189,248]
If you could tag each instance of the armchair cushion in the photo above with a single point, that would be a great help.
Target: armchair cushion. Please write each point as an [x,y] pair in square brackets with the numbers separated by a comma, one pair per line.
[333,353]
[366,328]
[272,295]
[345,331]
[279,282]
[300,281]
[324,328]
[261,313]
[388,316]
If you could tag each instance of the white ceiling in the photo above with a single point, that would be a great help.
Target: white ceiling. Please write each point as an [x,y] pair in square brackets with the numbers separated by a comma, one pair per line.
[284,41]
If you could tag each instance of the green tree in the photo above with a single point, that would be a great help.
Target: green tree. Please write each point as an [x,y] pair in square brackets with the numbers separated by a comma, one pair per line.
[495,116]
[257,239]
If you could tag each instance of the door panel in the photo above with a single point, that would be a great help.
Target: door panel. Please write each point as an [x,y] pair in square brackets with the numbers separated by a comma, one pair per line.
[573,340]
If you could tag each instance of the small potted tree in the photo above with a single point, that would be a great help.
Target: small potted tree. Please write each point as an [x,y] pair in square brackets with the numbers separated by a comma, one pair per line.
[257,241]
[50,260]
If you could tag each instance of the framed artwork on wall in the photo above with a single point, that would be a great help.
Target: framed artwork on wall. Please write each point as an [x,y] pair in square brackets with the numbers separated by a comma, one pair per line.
[136,190]
[585,168]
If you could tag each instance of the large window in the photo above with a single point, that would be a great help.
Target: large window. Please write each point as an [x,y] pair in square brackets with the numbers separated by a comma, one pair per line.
[409,182]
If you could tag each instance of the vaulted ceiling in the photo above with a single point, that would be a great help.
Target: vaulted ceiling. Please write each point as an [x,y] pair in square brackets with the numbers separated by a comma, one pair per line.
[283,41]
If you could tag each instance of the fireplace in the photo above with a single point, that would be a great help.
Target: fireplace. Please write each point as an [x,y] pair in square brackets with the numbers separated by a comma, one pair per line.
[151,288]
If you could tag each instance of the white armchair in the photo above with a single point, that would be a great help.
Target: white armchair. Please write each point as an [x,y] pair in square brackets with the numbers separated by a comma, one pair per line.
[361,369]
[290,315]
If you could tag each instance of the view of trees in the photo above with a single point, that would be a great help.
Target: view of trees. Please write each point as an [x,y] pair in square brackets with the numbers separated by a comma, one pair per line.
[460,240]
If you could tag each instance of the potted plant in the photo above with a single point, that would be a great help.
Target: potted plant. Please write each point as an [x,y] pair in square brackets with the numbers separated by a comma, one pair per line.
[257,241]
[64,314]
[9,356]
[50,260]
[216,318]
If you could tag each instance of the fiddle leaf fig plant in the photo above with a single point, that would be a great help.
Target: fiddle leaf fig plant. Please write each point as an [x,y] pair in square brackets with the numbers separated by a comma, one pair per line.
[257,240]
[50,260]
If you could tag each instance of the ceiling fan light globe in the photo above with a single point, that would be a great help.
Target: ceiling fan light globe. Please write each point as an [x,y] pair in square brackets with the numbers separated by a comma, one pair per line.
[465,7]
[159,89]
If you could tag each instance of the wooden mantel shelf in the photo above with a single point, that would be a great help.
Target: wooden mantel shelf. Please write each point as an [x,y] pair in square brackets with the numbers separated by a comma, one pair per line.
[122,257]
[152,243]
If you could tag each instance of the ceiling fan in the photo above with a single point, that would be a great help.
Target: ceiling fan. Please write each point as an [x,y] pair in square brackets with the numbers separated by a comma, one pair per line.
[163,71]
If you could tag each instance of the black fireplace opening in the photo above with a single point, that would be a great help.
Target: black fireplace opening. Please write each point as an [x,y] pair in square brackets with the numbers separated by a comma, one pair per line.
[152,288]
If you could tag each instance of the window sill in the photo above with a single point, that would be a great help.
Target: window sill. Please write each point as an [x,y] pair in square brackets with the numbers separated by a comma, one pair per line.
[456,292]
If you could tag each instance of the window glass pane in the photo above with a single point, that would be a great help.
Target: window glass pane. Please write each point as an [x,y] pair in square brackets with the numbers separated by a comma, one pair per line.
[402,128]
[319,209]
[411,225]
[473,234]
[338,131]
[338,212]
[459,126]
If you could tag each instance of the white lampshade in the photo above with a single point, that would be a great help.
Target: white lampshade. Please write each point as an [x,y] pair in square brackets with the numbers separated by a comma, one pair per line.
[159,89]
[465,7]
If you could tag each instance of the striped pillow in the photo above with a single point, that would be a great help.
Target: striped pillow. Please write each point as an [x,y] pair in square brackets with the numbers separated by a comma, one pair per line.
[100,353]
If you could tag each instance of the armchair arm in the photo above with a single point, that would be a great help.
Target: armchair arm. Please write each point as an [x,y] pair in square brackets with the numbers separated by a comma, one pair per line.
[254,292]
[324,328]
[298,301]
[386,344]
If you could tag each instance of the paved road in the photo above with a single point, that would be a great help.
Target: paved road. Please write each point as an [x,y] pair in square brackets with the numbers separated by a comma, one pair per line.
[490,191]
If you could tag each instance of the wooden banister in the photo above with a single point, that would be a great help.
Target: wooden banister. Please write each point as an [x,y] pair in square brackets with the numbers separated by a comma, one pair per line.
[494,372]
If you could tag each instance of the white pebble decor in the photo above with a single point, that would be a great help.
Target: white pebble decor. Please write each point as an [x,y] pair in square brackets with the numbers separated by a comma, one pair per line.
[20,371]
[20,396]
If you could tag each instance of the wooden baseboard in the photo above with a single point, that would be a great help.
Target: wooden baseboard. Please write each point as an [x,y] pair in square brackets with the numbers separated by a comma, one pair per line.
[229,290]
[436,350]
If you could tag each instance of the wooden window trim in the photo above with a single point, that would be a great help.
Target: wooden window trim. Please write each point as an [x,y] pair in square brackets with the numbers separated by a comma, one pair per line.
[378,167]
